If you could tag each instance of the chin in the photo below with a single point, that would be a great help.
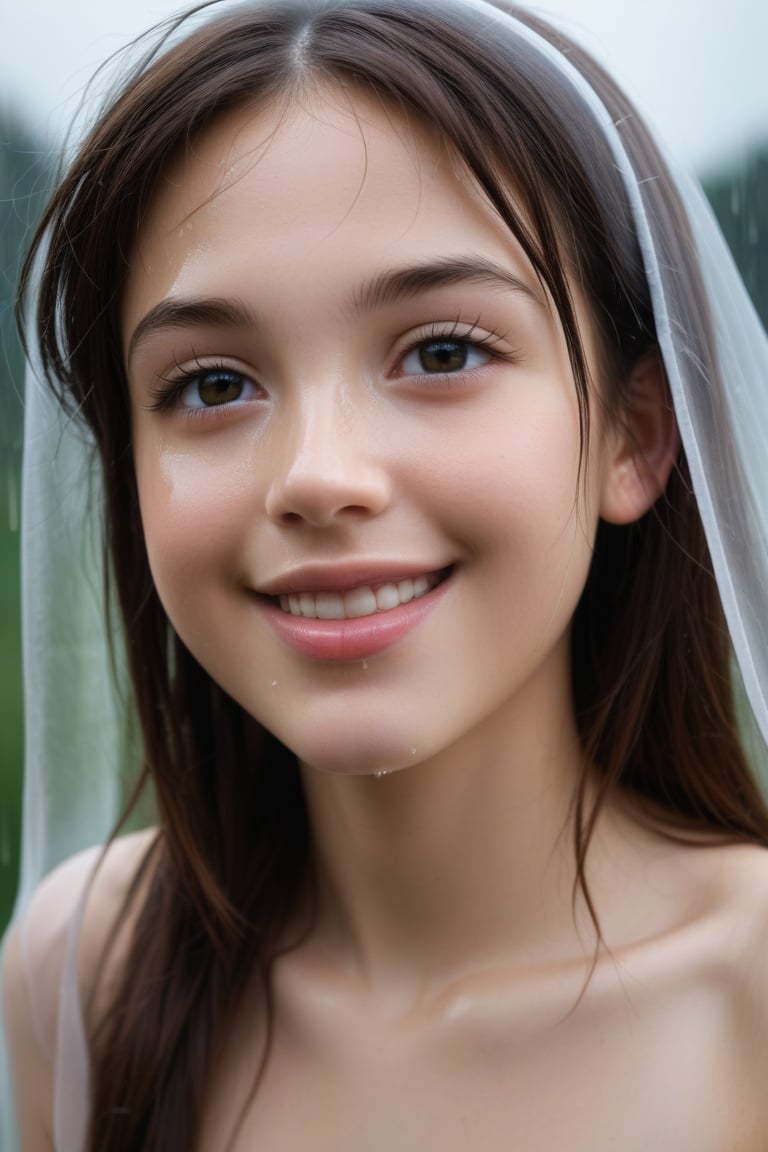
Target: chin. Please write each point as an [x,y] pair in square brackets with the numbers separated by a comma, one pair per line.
[357,768]
[359,756]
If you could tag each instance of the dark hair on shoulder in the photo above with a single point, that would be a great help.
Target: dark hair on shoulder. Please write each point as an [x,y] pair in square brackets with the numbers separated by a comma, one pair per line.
[650,650]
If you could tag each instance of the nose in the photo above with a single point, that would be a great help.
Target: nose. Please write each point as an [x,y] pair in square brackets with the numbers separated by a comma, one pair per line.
[325,467]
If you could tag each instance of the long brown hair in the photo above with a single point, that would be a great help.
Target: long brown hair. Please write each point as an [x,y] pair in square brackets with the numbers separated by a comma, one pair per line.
[651,656]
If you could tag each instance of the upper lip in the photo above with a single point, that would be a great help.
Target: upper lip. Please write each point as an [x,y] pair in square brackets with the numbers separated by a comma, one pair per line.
[343,577]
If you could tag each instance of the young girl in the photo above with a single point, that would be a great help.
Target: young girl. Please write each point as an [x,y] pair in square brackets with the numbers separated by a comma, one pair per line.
[387,320]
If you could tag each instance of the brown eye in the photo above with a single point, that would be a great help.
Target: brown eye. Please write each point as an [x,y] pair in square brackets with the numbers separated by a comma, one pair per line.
[218,387]
[443,356]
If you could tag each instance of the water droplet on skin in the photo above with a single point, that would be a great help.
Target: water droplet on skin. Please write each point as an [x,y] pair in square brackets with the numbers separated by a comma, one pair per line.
[382,772]
[365,665]
[274,683]
[413,751]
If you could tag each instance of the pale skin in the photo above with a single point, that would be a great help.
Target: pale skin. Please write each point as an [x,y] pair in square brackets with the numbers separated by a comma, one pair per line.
[440,999]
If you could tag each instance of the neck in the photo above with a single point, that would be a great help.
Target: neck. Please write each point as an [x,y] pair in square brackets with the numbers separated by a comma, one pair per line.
[457,863]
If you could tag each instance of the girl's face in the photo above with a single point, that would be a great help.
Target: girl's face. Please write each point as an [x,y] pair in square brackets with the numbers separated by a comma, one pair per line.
[356,438]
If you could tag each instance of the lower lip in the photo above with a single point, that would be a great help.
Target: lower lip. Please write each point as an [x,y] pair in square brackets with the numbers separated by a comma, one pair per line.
[344,640]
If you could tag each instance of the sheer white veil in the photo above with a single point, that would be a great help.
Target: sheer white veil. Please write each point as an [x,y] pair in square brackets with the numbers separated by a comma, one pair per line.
[74,719]
[73,722]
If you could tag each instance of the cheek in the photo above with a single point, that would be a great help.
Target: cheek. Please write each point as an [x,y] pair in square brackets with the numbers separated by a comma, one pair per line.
[529,517]
[519,472]
[192,518]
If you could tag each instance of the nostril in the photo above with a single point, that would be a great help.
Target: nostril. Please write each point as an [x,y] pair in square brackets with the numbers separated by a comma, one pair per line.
[353,510]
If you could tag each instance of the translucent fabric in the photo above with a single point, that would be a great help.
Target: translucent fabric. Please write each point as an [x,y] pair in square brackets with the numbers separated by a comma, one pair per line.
[73,719]
[73,730]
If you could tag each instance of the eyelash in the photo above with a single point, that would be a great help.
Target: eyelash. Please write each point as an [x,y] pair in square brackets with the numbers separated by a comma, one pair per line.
[173,387]
[458,333]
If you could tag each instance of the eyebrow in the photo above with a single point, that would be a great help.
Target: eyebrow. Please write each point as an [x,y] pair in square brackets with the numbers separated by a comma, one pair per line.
[402,283]
[386,288]
[188,312]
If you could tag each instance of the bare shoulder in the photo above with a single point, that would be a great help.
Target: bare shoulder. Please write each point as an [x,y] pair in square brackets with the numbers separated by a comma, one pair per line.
[94,883]
[114,877]
[738,884]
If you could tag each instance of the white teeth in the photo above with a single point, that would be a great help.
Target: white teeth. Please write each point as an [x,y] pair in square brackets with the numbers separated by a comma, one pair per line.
[330,606]
[405,591]
[364,601]
[360,602]
[387,597]
[306,605]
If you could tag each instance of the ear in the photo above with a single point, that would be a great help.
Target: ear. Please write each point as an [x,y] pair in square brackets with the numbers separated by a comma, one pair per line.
[643,445]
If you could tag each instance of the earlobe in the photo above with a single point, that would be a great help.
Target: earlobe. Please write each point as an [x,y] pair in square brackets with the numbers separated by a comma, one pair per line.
[645,447]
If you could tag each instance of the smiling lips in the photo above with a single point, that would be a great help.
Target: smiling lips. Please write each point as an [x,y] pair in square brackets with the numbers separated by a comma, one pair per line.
[356,603]
[351,624]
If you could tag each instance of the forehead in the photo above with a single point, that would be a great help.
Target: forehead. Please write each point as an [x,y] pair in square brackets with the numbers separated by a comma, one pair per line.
[336,181]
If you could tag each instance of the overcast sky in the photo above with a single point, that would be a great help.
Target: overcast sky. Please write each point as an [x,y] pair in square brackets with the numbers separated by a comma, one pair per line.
[697,67]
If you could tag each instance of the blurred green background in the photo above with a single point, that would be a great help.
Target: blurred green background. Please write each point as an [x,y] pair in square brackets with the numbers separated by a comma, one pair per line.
[738,193]
[26,168]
